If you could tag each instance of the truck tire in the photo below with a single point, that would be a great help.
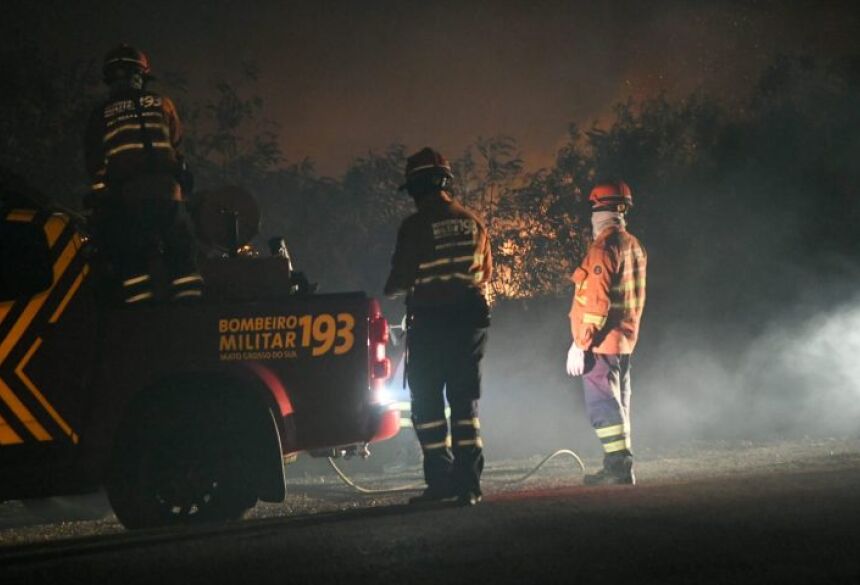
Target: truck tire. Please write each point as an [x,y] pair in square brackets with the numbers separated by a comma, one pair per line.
[181,463]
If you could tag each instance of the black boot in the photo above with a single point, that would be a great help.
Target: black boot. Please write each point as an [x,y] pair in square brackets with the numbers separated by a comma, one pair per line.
[469,498]
[617,470]
[433,494]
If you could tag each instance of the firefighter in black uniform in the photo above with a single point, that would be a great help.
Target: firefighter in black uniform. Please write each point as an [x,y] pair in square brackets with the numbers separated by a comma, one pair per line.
[133,160]
[442,262]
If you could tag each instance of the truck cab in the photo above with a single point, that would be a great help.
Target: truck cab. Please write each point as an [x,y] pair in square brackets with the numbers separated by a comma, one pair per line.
[182,412]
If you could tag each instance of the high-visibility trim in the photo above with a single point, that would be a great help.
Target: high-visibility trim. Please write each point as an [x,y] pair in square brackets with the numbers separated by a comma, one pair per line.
[21,215]
[39,396]
[69,295]
[472,277]
[469,422]
[456,244]
[136,280]
[611,431]
[188,293]
[187,279]
[133,116]
[8,436]
[440,262]
[629,305]
[616,446]
[581,300]
[431,425]
[594,319]
[125,127]
[478,258]
[477,442]
[440,445]
[23,413]
[630,285]
[131,60]
[98,186]
[136,146]
[138,298]
[430,166]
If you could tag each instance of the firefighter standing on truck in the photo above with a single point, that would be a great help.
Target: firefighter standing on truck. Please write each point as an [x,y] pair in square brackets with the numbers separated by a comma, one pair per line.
[136,169]
[605,314]
[443,261]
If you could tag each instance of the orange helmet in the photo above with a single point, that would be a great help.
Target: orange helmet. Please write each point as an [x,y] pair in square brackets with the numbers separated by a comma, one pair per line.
[611,195]
[123,60]
[427,164]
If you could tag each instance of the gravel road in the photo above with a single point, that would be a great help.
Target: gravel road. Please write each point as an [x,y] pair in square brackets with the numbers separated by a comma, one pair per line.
[726,512]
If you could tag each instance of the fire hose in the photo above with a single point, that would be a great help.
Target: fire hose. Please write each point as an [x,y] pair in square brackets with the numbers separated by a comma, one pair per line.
[415,486]
[402,328]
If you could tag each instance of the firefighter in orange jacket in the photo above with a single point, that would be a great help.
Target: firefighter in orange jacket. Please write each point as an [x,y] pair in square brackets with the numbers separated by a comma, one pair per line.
[605,314]
[443,261]
[138,179]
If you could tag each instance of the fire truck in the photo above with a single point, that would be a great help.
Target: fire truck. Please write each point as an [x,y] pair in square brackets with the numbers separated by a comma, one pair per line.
[183,413]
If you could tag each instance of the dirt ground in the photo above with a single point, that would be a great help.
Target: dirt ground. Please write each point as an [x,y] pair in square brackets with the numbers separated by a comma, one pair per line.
[716,512]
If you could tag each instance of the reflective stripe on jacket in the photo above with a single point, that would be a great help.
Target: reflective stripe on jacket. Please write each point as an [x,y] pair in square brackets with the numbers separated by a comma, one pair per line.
[442,254]
[609,294]
[118,132]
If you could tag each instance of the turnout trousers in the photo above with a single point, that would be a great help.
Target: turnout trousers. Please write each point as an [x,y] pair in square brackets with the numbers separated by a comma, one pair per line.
[606,383]
[146,220]
[445,361]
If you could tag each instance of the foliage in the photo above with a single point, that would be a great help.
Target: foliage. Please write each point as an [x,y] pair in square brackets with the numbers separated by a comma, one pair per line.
[228,139]
[44,107]
[762,188]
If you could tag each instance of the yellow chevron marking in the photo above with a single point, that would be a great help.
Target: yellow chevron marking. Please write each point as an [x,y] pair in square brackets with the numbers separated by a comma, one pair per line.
[7,435]
[17,332]
[4,310]
[15,215]
[23,413]
[36,302]
[72,290]
[54,227]
[35,391]
[21,215]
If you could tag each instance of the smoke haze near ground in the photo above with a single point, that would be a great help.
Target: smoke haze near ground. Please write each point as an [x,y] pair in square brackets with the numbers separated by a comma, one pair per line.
[799,377]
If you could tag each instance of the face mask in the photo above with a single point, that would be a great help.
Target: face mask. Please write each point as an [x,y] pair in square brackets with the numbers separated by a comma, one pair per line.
[600,220]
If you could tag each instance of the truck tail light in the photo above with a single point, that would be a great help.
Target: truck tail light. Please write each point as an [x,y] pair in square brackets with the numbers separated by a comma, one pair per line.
[380,365]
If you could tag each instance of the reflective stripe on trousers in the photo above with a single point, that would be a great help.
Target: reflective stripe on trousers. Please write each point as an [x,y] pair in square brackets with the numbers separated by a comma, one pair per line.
[606,383]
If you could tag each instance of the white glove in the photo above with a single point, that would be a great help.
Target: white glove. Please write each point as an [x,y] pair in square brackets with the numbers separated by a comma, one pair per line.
[575,360]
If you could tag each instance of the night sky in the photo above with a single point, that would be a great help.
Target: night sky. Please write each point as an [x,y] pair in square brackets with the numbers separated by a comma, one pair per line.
[341,78]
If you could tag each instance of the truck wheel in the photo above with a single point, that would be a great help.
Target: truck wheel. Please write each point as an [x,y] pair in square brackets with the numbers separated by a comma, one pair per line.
[180,466]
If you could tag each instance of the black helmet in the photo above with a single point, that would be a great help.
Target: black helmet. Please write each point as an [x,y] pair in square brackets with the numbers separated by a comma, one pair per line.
[123,61]
[425,169]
